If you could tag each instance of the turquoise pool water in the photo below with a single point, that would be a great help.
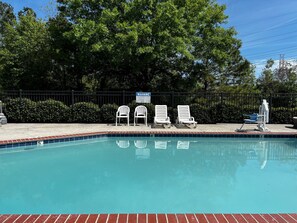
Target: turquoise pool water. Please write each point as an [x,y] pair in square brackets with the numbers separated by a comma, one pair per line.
[151,175]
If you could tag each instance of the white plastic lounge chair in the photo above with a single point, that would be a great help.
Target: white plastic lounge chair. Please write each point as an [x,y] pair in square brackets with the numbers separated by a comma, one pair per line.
[140,112]
[161,117]
[184,116]
[123,112]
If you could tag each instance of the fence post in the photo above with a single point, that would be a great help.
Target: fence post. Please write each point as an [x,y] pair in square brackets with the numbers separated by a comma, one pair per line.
[72,103]
[270,106]
[123,94]
[72,97]
[20,114]
[222,107]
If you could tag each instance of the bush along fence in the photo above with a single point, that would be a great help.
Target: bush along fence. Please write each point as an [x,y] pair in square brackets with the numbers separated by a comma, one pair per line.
[100,107]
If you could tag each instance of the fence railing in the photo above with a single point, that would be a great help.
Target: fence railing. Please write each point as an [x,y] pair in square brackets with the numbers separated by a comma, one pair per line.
[251,102]
[170,98]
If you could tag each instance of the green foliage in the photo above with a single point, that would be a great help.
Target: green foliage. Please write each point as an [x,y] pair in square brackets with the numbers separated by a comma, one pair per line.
[25,53]
[85,112]
[161,44]
[229,113]
[108,113]
[51,111]
[20,110]
[281,115]
[95,45]
[278,80]
[6,16]
[202,114]
[172,113]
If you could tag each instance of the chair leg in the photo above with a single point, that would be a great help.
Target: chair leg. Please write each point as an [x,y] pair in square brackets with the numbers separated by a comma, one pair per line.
[241,126]
[128,121]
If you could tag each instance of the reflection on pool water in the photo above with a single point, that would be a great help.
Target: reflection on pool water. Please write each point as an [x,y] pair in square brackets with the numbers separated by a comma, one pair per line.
[151,175]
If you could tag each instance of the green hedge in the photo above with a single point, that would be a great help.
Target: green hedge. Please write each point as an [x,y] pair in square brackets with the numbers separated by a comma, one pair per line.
[20,110]
[50,111]
[229,113]
[202,114]
[85,112]
[282,115]
[108,113]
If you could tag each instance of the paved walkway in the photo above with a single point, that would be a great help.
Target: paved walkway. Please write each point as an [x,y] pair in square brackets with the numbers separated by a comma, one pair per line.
[21,131]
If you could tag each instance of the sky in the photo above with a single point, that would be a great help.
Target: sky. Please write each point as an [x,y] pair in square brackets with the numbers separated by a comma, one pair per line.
[267,28]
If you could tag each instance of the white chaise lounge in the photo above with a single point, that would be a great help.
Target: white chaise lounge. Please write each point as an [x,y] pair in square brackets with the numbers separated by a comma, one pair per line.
[161,117]
[184,116]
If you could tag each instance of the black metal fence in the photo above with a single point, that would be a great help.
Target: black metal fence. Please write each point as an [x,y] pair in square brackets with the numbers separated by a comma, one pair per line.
[251,102]
[172,99]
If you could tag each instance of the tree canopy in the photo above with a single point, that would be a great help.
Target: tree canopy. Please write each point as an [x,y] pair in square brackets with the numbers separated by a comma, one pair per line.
[274,80]
[148,45]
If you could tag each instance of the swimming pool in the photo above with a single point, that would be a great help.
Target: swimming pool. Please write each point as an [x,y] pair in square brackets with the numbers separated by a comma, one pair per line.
[151,175]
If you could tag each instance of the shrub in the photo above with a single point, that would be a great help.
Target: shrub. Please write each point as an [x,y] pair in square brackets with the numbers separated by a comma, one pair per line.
[85,112]
[20,110]
[281,115]
[108,113]
[52,111]
[229,113]
[201,114]
[172,113]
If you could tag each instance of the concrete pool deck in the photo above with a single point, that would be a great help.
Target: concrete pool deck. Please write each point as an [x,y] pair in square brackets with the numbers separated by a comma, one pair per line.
[13,131]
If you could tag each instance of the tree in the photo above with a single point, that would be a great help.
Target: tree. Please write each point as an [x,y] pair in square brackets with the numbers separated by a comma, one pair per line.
[6,15]
[266,82]
[152,44]
[64,56]
[24,53]
[288,81]
[271,81]
[148,45]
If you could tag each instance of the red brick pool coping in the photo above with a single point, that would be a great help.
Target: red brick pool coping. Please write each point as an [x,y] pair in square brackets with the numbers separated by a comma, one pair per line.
[147,218]
[151,218]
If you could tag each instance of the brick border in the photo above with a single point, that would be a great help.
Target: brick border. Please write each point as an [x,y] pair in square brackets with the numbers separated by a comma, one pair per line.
[150,218]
